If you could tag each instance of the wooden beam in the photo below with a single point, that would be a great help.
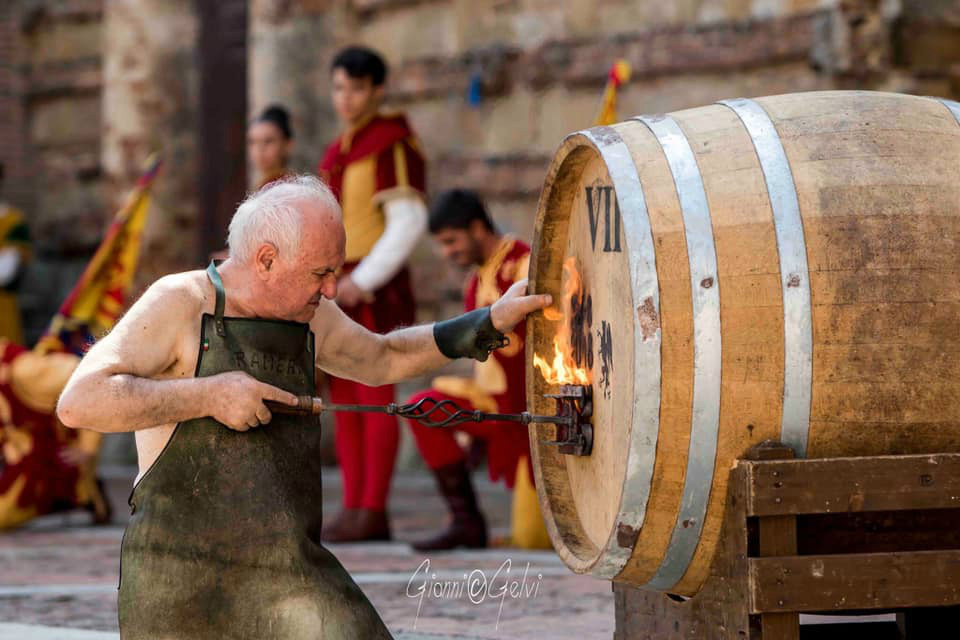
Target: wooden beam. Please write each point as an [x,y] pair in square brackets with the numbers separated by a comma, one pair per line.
[669,50]
[82,75]
[437,76]
[718,611]
[75,10]
[373,6]
[585,62]
[777,537]
[515,175]
[855,581]
[882,483]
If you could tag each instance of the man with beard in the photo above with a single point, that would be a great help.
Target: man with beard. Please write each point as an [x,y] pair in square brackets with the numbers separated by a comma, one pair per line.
[461,226]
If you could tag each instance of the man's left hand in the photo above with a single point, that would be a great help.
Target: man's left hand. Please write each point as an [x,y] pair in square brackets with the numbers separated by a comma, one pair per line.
[513,306]
[349,294]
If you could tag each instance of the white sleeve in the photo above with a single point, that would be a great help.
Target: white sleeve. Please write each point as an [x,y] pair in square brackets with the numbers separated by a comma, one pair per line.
[406,218]
[9,265]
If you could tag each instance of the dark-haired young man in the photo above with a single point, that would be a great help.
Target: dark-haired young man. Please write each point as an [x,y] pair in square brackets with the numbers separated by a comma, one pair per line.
[461,226]
[378,174]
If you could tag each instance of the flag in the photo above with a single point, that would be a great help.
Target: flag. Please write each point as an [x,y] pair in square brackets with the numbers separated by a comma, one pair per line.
[96,301]
[45,467]
[619,74]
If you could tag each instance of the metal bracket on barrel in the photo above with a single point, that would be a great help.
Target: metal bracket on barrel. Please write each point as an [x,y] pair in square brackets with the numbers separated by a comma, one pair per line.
[575,438]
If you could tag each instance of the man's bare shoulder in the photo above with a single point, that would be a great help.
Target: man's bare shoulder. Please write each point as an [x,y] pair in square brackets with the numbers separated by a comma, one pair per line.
[152,335]
[184,294]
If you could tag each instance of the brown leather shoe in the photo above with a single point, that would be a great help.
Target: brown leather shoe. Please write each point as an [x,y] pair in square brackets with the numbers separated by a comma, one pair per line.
[373,525]
[363,525]
[468,527]
[337,526]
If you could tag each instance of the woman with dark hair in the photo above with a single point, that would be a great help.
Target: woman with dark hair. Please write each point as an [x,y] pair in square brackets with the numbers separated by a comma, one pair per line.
[269,144]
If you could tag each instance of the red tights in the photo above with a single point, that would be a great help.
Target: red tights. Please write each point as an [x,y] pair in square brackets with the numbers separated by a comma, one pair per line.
[439,447]
[366,444]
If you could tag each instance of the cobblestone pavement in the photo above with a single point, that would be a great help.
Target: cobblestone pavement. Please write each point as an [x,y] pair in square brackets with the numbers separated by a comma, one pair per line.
[60,573]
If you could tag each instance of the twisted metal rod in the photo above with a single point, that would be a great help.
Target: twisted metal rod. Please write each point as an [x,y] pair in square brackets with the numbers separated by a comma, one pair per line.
[423,412]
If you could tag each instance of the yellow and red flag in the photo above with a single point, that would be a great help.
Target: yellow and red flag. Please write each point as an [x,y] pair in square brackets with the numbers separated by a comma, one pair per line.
[619,75]
[45,466]
[96,302]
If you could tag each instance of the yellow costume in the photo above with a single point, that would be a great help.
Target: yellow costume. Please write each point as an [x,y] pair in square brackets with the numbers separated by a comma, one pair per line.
[13,235]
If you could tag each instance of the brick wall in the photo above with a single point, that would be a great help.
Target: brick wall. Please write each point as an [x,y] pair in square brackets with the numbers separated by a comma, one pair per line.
[11,111]
[50,108]
[541,66]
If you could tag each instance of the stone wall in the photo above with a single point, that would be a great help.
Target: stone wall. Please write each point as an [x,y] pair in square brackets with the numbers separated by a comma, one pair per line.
[88,90]
[50,53]
[12,152]
[290,47]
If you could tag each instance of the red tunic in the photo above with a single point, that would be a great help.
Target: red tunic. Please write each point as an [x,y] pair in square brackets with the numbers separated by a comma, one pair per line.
[365,167]
[377,139]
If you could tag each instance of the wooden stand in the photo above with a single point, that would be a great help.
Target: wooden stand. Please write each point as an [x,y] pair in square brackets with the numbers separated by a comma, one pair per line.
[841,535]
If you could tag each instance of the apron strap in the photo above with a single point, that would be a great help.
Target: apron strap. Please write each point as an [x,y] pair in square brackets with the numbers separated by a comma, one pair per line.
[221,298]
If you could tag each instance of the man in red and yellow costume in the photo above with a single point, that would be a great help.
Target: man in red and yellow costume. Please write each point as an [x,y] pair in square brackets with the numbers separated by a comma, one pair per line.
[48,467]
[461,226]
[15,252]
[377,172]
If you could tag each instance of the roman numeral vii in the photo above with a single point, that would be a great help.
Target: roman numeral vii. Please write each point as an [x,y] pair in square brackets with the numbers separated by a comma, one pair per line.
[595,197]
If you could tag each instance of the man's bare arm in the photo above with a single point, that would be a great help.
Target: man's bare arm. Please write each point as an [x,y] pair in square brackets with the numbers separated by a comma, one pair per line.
[348,350]
[113,388]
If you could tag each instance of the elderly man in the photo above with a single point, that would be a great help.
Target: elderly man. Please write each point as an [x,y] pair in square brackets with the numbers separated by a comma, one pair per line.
[224,540]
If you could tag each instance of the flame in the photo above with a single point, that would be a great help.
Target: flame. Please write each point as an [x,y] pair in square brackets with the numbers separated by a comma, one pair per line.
[564,369]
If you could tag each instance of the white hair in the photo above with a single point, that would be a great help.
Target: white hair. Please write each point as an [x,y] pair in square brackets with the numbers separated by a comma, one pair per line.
[271,215]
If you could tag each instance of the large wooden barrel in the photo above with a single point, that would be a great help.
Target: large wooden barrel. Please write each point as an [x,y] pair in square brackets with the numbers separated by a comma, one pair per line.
[782,268]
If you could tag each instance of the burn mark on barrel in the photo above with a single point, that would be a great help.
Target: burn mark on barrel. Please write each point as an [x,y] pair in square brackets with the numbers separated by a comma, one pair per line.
[606,356]
[707,283]
[649,319]
[793,281]
[581,325]
[627,535]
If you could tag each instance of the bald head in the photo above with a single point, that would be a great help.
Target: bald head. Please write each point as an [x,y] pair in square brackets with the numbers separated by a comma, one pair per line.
[279,214]
[288,241]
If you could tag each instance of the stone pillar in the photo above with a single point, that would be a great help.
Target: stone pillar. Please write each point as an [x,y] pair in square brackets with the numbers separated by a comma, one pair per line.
[150,103]
[291,45]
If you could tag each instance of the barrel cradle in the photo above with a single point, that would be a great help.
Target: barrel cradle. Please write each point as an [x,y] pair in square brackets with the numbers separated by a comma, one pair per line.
[782,268]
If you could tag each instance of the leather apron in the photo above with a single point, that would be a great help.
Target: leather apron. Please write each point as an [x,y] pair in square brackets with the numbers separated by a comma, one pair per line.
[224,537]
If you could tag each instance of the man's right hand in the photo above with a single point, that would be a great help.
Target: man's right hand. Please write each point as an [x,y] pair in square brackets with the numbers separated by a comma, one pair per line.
[237,399]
